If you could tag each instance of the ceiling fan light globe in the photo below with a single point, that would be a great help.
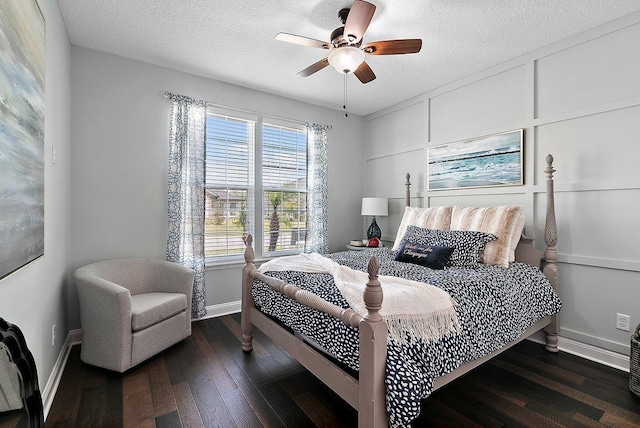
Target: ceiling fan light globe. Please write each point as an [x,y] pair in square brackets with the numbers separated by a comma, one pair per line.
[346,59]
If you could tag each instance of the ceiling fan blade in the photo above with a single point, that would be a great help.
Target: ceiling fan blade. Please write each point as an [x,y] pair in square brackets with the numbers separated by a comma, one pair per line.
[314,67]
[364,73]
[358,20]
[393,47]
[304,41]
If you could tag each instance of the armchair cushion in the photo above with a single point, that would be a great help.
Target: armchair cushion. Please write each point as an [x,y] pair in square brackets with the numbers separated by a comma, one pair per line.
[148,309]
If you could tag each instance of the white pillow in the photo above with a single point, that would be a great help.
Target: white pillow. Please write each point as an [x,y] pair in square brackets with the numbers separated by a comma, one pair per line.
[515,238]
[427,218]
[500,221]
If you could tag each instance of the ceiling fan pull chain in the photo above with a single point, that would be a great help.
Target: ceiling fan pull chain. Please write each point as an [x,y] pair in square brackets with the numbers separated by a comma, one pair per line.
[344,106]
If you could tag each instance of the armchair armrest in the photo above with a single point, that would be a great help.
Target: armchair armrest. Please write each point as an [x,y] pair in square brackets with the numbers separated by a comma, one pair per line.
[105,312]
[169,277]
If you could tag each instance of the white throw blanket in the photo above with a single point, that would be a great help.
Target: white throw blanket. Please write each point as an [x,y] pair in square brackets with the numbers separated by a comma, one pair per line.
[412,310]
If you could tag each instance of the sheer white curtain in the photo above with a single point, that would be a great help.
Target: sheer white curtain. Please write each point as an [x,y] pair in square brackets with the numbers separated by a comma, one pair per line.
[317,240]
[185,193]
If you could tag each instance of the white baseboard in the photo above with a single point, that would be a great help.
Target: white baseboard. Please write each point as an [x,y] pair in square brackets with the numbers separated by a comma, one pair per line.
[593,353]
[222,309]
[50,389]
[588,352]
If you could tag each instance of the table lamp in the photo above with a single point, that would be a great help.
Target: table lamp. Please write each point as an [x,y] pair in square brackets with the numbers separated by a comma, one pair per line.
[374,207]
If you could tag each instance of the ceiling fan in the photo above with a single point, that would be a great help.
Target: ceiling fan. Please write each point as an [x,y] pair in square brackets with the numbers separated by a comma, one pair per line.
[346,49]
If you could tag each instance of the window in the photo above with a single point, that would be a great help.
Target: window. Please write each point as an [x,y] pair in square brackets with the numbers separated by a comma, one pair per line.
[256,182]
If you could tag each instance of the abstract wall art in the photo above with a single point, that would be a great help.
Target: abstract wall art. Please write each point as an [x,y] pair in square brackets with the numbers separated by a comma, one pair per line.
[22,68]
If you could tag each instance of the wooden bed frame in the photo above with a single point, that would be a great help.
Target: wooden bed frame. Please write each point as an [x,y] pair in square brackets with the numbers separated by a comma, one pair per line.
[368,393]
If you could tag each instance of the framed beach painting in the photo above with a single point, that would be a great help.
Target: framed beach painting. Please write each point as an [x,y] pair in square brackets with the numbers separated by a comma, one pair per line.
[493,160]
[22,67]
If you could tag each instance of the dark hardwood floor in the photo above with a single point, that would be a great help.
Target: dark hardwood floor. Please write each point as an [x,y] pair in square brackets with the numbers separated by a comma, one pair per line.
[207,381]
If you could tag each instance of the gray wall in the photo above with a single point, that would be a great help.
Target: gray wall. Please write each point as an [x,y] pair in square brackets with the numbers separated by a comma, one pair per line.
[580,101]
[119,157]
[35,297]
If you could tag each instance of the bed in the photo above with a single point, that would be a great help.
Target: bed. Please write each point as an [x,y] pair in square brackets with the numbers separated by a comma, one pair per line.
[383,375]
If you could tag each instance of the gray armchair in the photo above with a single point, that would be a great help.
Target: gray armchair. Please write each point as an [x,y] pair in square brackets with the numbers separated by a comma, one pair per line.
[131,309]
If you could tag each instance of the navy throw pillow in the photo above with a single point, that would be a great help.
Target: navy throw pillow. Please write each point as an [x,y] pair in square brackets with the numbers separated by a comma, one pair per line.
[431,256]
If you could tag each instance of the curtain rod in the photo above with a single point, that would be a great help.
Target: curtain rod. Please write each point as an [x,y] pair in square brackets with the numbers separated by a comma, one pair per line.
[168,94]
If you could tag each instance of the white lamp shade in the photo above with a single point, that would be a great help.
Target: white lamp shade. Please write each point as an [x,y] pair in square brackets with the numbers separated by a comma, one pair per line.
[346,59]
[375,206]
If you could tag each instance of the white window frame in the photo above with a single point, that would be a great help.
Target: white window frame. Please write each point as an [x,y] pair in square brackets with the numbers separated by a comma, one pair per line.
[256,224]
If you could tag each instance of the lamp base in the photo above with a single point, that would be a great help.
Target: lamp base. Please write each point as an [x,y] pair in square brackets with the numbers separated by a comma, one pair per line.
[374,230]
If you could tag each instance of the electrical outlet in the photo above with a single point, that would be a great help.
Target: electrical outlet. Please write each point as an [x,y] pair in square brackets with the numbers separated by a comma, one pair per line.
[53,335]
[623,322]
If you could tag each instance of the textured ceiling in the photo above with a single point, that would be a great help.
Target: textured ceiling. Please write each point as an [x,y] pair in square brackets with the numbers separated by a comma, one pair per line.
[233,41]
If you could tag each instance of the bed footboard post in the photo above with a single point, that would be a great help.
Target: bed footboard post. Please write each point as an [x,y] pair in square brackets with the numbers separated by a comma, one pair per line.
[247,299]
[407,192]
[372,408]
[551,254]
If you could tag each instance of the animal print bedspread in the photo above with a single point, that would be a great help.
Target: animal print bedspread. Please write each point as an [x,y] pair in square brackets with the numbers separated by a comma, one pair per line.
[495,305]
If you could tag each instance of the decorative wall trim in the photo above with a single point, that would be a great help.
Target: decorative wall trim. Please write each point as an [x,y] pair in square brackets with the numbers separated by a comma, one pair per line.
[599,262]
[594,187]
[588,111]
[570,42]
[532,123]
[397,107]
[470,135]
[396,152]
[538,188]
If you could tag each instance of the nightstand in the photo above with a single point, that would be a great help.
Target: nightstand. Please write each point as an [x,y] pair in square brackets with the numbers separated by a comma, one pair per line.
[353,248]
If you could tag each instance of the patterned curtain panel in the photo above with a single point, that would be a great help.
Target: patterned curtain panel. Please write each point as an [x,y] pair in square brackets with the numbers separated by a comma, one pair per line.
[318,191]
[186,180]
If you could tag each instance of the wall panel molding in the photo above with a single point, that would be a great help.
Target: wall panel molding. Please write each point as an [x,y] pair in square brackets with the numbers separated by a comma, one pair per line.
[394,152]
[600,262]
[589,111]
[593,137]
[589,186]
[603,30]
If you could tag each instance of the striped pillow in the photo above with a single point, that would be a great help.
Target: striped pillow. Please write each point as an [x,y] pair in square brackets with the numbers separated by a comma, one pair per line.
[515,238]
[499,221]
[427,218]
